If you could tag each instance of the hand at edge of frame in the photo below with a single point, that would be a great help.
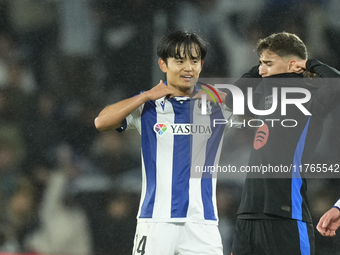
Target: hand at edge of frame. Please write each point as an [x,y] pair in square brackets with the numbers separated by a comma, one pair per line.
[329,222]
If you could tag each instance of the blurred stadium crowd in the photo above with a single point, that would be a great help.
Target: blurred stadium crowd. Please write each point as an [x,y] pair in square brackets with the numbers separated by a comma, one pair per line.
[65,188]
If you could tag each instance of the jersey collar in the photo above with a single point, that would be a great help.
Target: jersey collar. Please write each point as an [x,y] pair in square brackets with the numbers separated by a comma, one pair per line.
[178,98]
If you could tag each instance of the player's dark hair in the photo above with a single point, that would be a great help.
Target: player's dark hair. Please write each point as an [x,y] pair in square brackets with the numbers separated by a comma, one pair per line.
[172,45]
[283,44]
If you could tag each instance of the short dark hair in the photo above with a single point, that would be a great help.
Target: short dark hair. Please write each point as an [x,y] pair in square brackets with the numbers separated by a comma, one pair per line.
[283,44]
[171,45]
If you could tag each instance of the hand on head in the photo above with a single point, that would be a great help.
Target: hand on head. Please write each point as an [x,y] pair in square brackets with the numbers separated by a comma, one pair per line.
[298,66]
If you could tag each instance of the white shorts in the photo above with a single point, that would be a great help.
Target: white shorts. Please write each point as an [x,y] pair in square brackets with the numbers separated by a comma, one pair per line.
[177,239]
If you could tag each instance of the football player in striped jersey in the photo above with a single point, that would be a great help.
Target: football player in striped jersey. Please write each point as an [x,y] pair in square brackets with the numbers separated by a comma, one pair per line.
[177,212]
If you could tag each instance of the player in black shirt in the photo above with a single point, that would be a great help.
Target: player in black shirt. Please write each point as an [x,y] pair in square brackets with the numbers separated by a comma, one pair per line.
[274,217]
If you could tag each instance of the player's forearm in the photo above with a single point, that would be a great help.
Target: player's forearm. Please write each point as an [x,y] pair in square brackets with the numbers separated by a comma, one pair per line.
[322,69]
[111,117]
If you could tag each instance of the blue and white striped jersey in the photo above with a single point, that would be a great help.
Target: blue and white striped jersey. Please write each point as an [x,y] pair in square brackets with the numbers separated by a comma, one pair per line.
[176,138]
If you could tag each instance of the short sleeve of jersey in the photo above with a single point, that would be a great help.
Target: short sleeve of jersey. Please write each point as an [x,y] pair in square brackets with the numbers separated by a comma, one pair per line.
[133,120]
[337,204]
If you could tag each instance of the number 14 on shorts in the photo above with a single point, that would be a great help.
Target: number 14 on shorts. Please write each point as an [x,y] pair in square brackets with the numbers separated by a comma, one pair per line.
[141,245]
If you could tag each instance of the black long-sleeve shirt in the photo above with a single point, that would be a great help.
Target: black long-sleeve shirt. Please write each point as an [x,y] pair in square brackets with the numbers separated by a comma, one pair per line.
[276,145]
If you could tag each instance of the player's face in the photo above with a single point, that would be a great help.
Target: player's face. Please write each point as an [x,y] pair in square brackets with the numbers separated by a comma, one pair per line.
[271,64]
[180,71]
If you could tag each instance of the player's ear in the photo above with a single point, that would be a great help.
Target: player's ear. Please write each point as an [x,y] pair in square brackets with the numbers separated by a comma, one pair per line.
[291,66]
[202,62]
[162,65]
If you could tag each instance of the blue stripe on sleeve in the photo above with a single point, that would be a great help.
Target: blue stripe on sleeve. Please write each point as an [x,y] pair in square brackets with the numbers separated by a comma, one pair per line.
[149,150]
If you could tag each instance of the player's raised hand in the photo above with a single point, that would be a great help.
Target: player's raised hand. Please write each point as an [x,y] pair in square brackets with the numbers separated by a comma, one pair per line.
[201,92]
[111,116]
[160,90]
[298,66]
[329,222]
